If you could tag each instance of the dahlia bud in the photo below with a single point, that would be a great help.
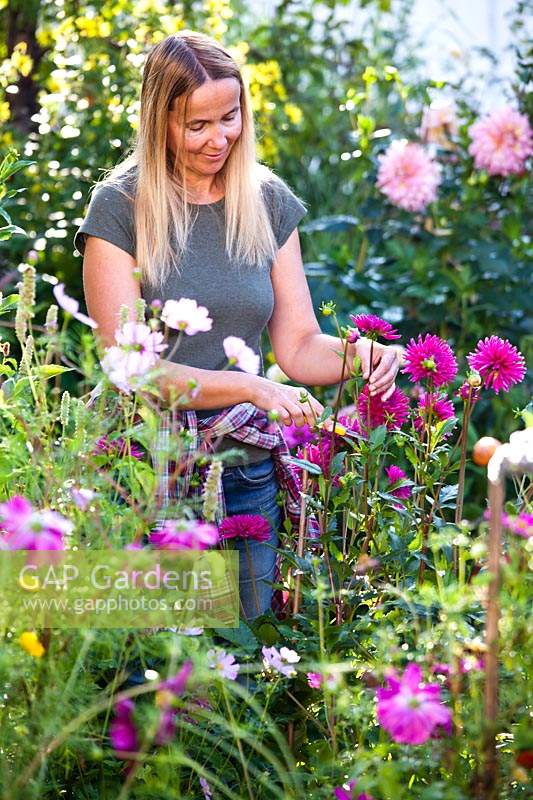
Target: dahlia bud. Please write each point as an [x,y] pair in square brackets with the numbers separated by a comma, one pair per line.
[474,379]
[353,335]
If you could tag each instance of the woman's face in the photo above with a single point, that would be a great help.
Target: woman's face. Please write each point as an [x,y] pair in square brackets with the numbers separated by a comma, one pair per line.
[212,126]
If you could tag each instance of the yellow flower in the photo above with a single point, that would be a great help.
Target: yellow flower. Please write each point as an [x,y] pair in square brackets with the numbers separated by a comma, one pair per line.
[29,641]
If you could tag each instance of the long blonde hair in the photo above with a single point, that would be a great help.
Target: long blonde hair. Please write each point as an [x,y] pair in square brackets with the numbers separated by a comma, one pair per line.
[175,68]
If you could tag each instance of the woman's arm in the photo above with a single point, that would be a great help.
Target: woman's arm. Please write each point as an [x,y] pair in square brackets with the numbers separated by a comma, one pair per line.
[304,353]
[109,283]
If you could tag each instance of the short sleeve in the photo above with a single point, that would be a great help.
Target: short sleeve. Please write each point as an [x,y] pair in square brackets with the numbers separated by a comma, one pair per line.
[110,217]
[286,210]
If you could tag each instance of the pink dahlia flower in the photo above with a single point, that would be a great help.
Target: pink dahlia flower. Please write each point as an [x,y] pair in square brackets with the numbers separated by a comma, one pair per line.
[295,435]
[430,359]
[29,529]
[374,327]
[391,412]
[348,792]
[408,176]
[184,534]
[253,527]
[411,711]
[186,315]
[122,731]
[521,525]
[438,405]
[395,475]
[238,352]
[498,362]
[501,142]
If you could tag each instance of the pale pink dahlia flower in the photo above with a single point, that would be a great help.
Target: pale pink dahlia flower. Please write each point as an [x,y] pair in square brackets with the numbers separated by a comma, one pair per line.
[410,710]
[501,142]
[498,362]
[408,176]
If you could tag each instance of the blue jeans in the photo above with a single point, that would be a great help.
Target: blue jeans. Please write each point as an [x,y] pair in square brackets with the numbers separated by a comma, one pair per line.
[252,489]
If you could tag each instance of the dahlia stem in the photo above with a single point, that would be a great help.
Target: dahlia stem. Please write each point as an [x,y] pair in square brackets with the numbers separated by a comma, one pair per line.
[252,574]
[461,481]
[300,544]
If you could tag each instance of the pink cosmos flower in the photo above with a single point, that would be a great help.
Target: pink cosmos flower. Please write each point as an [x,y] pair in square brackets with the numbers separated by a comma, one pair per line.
[501,142]
[295,435]
[71,306]
[224,663]
[409,710]
[408,176]
[82,497]
[521,525]
[347,792]
[280,660]
[184,534]
[28,529]
[394,476]
[137,351]
[314,679]
[391,412]
[245,526]
[439,121]
[177,683]
[374,327]
[498,362]
[166,728]
[441,409]
[122,731]
[186,315]
[430,359]
[118,447]
[238,352]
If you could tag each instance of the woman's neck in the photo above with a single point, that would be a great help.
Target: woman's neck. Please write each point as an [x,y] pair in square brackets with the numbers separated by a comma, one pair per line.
[204,190]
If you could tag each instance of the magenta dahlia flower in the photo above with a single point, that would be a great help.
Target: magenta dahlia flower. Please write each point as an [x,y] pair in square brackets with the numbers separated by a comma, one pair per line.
[118,447]
[184,534]
[441,409]
[295,435]
[394,476]
[408,176]
[498,362]
[430,359]
[122,731]
[521,525]
[26,528]
[253,527]
[374,327]
[391,412]
[410,710]
[501,142]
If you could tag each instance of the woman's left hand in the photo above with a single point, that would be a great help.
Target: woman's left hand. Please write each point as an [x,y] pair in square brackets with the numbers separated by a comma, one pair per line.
[386,363]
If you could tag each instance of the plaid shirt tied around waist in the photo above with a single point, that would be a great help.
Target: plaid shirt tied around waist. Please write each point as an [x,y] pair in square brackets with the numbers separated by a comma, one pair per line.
[243,422]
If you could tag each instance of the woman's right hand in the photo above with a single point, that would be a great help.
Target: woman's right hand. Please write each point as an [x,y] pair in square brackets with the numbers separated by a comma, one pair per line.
[285,400]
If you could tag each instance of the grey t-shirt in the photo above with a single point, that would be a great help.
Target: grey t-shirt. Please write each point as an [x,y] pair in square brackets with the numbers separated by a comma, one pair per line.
[239,297]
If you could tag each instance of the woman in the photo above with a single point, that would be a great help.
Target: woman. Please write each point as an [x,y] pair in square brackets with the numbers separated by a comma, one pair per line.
[190,213]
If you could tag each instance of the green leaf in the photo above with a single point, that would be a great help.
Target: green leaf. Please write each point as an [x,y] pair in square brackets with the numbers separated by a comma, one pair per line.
[50,370]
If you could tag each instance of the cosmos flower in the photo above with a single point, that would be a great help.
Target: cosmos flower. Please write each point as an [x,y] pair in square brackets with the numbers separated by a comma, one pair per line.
[238,353]
[520,525]
[430,359]
[26,528]
[71,306]
[82,497]
[280,660]
[245,526]
[177,683]
[224,663]
[409,710]
[122,731]
[407,176]
[391,412]
[186,315]
[118,447]
[498,362]
[501,142]
[314,679]
[127,363]
[184,534]
[374,327]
